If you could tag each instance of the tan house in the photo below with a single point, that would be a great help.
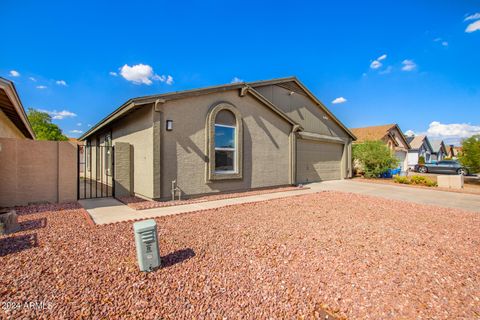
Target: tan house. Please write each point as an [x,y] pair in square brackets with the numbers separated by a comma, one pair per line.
[420,147]
[224,138]
[13,119]
[391,135]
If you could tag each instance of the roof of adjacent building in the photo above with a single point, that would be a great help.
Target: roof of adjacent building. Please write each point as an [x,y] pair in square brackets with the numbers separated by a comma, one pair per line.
[437,145]
[12,107]
[417,141]
[291,82]
[373,133]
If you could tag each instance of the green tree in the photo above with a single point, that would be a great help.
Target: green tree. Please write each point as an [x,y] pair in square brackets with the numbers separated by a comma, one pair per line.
[470,155]
[375,158]
[43,127]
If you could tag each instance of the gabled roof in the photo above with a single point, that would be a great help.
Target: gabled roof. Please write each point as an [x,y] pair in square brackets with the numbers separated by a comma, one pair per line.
[437,145]
[12,107]
[377,132]
[417,141]
[246,87]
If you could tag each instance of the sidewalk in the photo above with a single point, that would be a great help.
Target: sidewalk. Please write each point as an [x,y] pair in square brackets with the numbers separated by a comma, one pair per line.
[110,210]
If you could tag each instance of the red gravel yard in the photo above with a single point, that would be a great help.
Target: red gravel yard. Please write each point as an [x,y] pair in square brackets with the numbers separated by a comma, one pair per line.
[356,256]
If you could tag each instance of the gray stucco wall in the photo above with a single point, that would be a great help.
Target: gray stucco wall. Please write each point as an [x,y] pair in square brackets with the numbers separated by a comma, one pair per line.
[183,150]
[303,110]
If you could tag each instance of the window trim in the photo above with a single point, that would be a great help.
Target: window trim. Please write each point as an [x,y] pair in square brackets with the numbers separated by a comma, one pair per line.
[211,173]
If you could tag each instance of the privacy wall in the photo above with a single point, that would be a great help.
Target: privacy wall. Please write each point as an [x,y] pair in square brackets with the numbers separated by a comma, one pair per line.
[37,171]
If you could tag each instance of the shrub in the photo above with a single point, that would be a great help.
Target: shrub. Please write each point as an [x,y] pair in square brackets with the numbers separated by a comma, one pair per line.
[470,156]
[421,160]
[402,180]
[374,157]
[417,180]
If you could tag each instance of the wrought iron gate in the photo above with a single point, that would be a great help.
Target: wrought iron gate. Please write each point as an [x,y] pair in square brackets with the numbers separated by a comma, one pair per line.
[96,172]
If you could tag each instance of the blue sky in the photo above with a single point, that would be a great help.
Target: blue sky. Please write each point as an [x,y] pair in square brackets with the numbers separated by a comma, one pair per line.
[415,63]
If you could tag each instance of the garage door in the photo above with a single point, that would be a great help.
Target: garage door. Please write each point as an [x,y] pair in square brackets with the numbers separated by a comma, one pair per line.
[318,161]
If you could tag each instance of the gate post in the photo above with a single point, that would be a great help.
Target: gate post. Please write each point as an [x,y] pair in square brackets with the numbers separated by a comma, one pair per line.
[122,169]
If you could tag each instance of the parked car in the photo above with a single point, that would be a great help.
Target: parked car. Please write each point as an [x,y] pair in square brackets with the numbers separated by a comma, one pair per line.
[443,166]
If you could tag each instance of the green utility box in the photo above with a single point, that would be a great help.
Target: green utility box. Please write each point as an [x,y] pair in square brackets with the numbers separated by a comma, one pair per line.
[146,242]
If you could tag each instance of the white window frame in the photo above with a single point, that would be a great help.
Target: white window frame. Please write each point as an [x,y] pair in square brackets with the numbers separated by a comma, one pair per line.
[235,167]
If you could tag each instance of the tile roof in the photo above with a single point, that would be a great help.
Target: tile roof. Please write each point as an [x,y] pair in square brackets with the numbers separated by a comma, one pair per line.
[372,133]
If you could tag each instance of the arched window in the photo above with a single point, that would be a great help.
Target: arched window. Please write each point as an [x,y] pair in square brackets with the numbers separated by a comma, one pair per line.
[224,142]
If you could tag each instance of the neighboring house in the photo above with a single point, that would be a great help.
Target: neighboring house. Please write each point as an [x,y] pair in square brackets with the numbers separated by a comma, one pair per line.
[439,150]
[13,119]
[391,135]
[224,138]
[456,152]
[420,147]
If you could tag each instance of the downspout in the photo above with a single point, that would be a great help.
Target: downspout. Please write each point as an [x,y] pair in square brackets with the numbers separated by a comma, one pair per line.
[293,154]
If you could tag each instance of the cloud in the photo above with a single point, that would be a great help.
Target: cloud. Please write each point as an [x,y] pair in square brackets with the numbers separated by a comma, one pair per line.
[451,133]
[41,87]
[408,65]
[59,115]
[89,125]
[33,79]
[375,64]
[142,74]
[475,16]
[236,80]
[445,43]
[76,131]
[14,73]
[409,133]
[389,69]
[475,26]
[339,100]
[79,124]
[113,74]
[382,57]
[61,83]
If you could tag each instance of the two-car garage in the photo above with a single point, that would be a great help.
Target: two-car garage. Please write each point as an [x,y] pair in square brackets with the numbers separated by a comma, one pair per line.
[318,160]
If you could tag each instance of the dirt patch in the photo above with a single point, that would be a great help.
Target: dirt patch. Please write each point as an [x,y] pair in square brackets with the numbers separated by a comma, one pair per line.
[357,256]
[141,204]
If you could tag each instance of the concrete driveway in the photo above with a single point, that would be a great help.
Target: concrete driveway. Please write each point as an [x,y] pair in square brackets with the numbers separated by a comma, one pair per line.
[447,199]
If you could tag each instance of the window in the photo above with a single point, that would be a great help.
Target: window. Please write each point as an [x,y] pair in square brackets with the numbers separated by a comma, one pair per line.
[224,143]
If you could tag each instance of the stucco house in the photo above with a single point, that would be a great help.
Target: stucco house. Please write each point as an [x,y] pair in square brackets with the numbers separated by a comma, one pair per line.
[13,119]
[420,147]
[439,150]
[225,138]
[391,135]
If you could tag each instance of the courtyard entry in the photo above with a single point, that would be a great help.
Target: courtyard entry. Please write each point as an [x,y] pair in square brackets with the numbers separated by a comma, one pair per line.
[95,171]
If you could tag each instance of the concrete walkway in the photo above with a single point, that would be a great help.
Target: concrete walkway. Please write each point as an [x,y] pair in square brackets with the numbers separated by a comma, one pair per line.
[447,199]
[109,210]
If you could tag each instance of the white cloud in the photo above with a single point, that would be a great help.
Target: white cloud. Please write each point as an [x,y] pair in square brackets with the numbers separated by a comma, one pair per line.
[61,83]
[445,43]
[76,131]
[41,87]
[375,64]
[408,65]
[409,133]
[138,74]
[113,74]
[474,16]
[142,74]
[236,80]
[473,27]
[79,124]
[59,115]
[452,130]
[14,73]
[382,57]
[33,79]
[389,69]
[339,100]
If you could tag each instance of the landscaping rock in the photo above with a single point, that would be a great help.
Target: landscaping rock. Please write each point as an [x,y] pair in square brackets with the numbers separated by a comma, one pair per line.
[8,221]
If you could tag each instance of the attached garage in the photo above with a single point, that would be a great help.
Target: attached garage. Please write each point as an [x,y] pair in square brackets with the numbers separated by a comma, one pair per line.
[318,161]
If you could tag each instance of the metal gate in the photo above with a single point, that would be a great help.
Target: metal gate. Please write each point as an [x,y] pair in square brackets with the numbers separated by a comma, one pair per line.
[95,172]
